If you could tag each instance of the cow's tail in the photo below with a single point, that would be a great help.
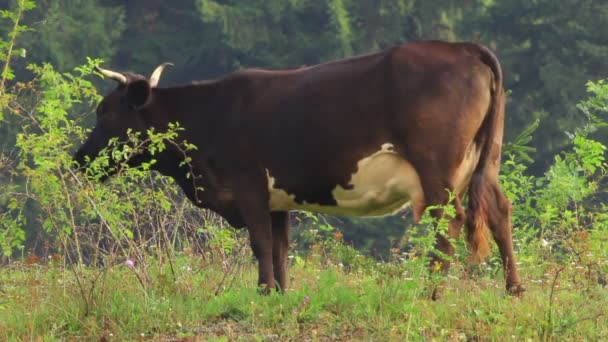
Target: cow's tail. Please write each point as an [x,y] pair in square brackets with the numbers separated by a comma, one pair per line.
[481,190]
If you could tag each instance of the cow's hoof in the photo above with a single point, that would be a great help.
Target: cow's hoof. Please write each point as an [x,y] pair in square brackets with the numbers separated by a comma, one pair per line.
[264,289]
[516,290]
[438,292]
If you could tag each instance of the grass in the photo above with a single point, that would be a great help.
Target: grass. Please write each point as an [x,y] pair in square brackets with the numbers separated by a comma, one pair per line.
[327,301]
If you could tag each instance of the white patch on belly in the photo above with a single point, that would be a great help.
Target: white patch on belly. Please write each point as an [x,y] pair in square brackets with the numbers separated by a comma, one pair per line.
[383,183]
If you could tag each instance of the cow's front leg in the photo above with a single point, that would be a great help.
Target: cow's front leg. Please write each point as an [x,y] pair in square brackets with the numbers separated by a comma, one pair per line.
[252,203]
[260,235]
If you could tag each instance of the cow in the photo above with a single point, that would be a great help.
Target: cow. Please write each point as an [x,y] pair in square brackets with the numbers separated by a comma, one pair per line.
[363,136]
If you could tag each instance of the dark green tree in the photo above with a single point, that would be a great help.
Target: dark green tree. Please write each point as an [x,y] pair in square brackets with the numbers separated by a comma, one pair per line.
[549,50]
[64,32]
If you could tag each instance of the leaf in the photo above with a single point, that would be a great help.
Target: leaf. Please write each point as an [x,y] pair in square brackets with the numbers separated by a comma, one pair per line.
[519,145]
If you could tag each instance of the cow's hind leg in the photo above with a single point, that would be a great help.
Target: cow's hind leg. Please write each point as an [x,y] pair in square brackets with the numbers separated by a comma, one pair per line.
[499,217]
[443,244]
[436,193]
[280,246]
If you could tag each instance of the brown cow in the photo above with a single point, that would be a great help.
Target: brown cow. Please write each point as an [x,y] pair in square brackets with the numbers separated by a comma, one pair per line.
[358,136]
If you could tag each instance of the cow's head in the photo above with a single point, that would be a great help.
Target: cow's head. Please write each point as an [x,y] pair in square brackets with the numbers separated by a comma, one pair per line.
[122,110]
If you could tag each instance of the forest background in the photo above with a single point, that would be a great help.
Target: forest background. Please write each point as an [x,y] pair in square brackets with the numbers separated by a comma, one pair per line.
[548,50]
[132,259]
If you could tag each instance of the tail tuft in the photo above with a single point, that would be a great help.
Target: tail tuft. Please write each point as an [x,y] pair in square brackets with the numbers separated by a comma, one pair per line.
[476,222]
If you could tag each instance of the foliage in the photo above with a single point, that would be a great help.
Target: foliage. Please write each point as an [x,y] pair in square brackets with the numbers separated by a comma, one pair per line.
[548,50]
[82,221]
[595,108]
[60,38]
[7,47]
[557,217]
[133,259]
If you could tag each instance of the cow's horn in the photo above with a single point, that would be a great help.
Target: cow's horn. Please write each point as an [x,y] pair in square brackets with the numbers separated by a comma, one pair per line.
[112,74]
[156,74]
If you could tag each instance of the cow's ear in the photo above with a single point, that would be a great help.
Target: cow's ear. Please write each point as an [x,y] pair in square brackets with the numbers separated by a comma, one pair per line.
[138,93]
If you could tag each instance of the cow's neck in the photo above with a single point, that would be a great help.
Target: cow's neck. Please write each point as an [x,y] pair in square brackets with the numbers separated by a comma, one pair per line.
[191,105]
[197,108]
